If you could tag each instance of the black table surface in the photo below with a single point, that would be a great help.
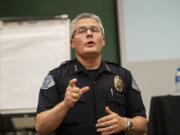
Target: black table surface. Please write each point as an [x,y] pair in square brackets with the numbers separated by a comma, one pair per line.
[164,116]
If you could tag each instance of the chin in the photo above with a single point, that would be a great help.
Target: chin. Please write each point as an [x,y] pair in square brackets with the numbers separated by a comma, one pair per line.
[91,50]
[91,54]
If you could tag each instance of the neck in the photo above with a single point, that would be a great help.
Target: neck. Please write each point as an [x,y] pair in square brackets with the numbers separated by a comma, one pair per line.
[90,63]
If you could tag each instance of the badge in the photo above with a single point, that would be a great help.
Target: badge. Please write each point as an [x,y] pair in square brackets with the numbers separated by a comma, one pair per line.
[118,83]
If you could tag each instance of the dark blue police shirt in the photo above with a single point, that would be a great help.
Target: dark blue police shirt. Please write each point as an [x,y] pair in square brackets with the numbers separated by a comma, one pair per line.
[81,119]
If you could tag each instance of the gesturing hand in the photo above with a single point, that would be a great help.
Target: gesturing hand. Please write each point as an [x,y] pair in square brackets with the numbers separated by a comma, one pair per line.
[73,93]
[112,123]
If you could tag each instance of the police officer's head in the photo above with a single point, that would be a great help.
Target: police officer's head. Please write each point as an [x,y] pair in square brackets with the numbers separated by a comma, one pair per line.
[87,35]
[83,16]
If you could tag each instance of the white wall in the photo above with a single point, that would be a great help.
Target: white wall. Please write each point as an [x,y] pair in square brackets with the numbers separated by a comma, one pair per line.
[150,44]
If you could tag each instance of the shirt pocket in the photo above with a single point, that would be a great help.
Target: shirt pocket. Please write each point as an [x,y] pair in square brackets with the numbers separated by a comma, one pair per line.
[116,102]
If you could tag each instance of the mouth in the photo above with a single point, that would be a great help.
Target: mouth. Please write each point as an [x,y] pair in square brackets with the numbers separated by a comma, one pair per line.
[90,43]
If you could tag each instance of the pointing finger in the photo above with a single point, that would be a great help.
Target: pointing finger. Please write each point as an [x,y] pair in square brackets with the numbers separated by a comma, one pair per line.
[72,83]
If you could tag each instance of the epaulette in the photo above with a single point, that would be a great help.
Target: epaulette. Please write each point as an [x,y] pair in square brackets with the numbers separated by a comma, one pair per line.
[57,69]
[112,64]
[66,62]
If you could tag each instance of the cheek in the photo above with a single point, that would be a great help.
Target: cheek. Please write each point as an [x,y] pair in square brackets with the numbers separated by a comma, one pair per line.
[75,42]
[78,40]
[101,41]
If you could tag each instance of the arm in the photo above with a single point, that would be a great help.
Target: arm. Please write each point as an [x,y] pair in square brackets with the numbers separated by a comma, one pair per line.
[49,120]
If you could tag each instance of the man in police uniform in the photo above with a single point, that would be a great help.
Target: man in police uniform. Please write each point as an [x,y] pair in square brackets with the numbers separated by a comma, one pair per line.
[88,96]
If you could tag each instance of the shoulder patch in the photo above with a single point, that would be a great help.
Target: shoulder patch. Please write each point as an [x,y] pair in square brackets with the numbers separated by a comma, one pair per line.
[48,82]
[134,85]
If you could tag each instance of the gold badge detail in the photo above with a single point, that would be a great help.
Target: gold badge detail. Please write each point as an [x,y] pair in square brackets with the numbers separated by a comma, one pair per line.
[118,83]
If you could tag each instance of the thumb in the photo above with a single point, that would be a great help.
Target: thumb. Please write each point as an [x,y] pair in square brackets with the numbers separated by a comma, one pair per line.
[108,110]
[84,90]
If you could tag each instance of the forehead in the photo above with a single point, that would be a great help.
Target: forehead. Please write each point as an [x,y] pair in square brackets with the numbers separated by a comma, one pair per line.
[87,22]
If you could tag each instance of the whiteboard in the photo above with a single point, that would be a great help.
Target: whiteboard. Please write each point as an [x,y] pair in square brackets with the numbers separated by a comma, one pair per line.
[28,50]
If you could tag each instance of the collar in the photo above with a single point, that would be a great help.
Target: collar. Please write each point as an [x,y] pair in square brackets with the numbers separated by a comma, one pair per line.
[78,67]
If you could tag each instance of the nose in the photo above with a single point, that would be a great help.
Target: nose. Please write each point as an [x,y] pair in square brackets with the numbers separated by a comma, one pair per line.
[89,33]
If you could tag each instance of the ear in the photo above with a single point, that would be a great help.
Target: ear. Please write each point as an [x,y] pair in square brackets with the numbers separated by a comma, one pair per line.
[103,41]
[72,43]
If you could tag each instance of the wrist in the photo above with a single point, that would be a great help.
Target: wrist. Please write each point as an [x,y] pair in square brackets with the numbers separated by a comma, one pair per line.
[125,124]
[65,106]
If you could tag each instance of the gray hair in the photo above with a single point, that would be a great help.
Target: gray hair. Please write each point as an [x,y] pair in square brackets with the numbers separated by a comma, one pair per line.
[84,16]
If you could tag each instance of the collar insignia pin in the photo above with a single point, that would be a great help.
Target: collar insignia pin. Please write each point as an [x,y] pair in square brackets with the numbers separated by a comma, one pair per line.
[75,68]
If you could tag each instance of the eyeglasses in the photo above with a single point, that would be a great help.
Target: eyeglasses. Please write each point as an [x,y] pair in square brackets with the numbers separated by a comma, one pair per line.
[83,30]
